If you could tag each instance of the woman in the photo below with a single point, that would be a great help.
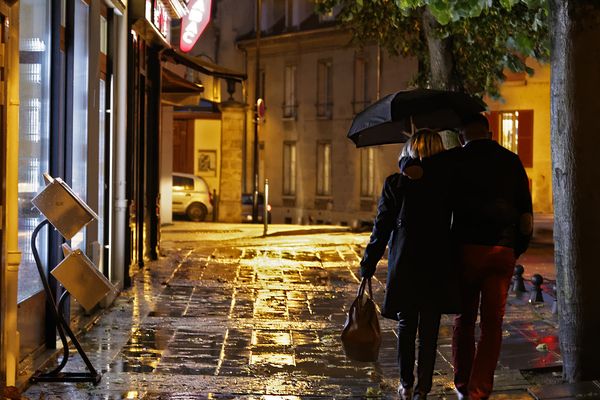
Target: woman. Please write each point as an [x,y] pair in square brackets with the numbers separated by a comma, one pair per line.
[415,211]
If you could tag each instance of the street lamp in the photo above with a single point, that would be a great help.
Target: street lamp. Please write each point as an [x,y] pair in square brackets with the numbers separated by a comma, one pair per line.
[256,115]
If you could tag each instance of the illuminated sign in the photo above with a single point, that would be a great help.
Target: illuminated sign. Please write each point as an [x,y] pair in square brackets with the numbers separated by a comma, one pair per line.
[193,24]
[161,18]
[157,14]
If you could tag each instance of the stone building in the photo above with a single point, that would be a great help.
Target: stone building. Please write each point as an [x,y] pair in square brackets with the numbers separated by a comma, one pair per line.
[313,81]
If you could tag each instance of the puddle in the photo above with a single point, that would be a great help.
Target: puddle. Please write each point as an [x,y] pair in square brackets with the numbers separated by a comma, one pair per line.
[271,338]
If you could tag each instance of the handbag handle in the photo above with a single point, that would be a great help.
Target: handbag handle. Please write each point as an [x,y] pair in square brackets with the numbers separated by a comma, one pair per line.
[363,285]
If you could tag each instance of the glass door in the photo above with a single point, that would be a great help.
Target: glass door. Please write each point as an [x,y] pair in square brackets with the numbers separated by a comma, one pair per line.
[34,134]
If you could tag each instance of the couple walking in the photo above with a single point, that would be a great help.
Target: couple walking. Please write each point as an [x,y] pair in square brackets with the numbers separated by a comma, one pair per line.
[456,221]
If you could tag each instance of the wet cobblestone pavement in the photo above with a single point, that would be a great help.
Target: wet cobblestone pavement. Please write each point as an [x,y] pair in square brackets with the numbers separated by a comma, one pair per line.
[228,314]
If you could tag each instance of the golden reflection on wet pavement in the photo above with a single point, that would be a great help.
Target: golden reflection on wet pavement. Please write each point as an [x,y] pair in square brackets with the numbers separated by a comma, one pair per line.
[234,315]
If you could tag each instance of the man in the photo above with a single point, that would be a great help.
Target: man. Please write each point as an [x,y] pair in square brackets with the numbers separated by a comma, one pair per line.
[492,225]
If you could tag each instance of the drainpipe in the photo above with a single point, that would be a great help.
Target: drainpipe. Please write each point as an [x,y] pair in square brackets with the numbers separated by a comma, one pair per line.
[11,235]
[378,72]
[119,211]
[245,138]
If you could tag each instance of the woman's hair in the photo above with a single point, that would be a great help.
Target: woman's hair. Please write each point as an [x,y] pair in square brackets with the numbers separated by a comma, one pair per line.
[424,143]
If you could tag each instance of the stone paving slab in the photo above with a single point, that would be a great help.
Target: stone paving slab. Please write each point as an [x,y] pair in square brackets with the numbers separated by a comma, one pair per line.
[583,390]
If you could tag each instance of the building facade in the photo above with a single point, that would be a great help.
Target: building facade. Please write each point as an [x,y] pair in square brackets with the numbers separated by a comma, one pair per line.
[520,121]
[314,81]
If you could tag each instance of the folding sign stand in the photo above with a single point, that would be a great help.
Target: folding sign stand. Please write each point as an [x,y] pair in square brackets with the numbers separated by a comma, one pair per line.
[68,214]
[62,326]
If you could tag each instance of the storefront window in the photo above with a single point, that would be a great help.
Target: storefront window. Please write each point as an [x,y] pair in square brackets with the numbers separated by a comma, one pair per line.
[80,109]
[34,133]
[101,166]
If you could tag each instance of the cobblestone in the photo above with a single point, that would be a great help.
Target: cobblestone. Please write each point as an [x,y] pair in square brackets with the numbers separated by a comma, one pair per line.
[229,314]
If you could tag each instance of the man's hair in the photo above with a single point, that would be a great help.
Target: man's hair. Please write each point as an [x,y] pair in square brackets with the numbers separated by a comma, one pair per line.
[424,143]
[478,119]
[475,126]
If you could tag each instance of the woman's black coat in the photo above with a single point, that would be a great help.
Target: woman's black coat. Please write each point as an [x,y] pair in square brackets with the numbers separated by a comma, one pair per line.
[414,218]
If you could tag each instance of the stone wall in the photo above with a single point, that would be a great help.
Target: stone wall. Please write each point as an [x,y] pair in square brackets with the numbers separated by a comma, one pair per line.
[230,193]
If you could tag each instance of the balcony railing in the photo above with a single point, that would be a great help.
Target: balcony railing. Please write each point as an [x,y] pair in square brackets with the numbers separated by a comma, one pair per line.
[324,110]
[290,111]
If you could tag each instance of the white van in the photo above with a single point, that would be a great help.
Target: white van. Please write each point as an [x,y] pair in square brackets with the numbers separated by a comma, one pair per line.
[191,196]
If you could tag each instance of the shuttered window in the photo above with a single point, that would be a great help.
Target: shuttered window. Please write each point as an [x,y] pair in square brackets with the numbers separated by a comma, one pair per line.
[289,169]
[514,130]
[323,169]
[367,172]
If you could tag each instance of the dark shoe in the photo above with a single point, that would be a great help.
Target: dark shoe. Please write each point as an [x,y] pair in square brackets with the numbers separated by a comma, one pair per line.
[420,396]
[405,393]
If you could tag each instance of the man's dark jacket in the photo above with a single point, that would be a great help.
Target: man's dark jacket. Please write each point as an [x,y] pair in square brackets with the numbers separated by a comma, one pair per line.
[492,203]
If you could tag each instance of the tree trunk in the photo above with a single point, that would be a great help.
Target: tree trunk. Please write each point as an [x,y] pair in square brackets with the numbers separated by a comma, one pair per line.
[575,111]
[441,62]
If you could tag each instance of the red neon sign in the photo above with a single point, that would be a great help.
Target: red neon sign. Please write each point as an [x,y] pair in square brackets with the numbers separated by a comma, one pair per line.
[193,24]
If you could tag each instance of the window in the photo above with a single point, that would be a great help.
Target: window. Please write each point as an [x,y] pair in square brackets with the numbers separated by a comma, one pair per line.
[324,89]
[289,87]
[289,169]
[80,110]
[360,100]
[34,135]
[289,13]
[181,183]
[104,137]
[514,130]
[509,129]
[367,172]
[323,168]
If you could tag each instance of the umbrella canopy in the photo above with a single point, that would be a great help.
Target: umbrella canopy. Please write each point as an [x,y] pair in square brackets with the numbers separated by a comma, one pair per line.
[391,119]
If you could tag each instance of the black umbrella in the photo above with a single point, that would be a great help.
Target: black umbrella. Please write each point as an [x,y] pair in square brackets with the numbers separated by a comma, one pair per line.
[393,118]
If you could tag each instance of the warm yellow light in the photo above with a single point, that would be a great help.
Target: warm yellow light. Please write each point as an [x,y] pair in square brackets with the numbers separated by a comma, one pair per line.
[272,358]
[132,394]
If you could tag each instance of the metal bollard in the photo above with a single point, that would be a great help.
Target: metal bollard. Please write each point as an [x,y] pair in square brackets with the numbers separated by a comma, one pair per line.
[536,294]
[518,283]
[215,202]
[266,208]
[555,302]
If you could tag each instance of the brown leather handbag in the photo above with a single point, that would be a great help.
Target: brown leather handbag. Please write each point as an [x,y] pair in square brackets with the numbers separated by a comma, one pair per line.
[361,336]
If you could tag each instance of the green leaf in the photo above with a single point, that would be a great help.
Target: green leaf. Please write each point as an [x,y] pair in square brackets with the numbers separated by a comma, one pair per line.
[508,4]
[440,11]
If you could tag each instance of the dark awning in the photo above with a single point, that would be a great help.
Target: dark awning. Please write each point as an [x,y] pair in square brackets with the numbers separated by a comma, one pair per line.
[202,66]
[178,91]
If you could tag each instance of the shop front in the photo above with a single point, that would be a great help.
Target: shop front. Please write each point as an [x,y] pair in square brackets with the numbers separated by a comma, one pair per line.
[69,55]
[150,35]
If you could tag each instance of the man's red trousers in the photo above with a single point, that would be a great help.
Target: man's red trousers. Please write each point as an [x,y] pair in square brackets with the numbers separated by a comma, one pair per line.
[486,277]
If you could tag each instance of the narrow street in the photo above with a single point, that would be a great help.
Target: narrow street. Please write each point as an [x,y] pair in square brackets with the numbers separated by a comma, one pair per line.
[227,313]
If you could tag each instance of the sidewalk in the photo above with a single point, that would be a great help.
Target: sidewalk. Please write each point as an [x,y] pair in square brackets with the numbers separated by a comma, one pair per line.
[229,314]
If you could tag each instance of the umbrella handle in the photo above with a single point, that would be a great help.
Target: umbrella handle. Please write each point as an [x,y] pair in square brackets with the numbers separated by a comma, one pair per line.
[412,126]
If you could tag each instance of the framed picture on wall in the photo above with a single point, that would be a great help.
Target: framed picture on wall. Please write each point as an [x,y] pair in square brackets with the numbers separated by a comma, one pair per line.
[207,162]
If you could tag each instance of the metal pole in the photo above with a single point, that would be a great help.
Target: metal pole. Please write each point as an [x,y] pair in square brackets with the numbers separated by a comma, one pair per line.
[378,72]
[265,208]
[256,118]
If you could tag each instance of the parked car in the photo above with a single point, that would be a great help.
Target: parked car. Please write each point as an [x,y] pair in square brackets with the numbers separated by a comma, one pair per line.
[247,208]
[191,196]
